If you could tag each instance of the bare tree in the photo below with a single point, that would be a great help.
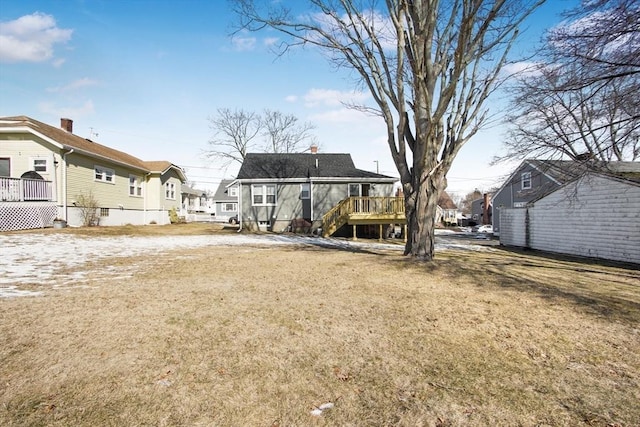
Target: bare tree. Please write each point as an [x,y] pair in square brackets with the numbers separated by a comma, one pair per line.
[430,66]
[284,134]
[239,132]
[602,37]
[465,204]
[234,136]
[582,124]
[580,102]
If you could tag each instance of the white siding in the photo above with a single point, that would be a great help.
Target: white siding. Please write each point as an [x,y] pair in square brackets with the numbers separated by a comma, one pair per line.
[594,217]
[513,227]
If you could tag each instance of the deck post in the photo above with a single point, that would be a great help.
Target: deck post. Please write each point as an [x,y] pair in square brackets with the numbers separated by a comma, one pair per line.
[380,235]
[355,235]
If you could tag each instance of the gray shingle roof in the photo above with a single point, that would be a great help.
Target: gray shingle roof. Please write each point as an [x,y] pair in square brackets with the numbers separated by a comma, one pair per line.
[222,194]
[564,171]
[302,165]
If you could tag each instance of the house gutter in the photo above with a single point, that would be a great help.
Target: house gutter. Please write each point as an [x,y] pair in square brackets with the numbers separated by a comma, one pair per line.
[64,183]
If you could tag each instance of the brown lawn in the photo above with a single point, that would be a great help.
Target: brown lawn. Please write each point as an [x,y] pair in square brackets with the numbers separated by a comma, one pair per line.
[262,336]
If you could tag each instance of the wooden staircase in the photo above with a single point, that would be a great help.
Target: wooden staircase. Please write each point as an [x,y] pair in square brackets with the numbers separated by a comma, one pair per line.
[364,211]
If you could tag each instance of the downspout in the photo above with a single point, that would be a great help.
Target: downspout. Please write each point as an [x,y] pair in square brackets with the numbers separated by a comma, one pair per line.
[64,184]
[144,202]
[311,200]
[239,206]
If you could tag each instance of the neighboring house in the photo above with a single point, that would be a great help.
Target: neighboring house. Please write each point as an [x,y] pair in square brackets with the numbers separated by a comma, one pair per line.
[595,215]
[46,172]
[192,199]
[278,191]
[225,200]
[534,179]
[482,210]
[447,211]
[531,180]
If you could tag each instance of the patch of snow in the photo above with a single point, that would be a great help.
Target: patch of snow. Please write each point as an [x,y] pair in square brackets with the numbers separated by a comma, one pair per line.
[46,259]
[13,291]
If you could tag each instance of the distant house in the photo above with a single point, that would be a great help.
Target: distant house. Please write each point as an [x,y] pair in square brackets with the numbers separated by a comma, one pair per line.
[482,210]
[225,200]
[278,192]
[193,200]
[594,215]
[447,211]
[46,172]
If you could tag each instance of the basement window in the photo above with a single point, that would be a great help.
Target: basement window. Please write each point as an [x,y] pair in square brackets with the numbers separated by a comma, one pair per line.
[104,212]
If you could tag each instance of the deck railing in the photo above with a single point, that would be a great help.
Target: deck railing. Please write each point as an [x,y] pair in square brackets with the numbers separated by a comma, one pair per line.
[25,190]
[353,207]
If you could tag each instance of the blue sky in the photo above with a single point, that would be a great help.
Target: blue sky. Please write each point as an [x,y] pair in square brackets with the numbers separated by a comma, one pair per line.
[143,77]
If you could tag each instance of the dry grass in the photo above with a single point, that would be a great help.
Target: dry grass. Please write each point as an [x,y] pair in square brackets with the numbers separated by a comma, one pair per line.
[261,336]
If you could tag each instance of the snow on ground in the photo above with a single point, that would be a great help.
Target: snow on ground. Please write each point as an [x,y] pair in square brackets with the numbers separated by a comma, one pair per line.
[38,259]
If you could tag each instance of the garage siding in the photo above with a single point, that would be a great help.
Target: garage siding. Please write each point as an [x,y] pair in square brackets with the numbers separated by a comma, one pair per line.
[513,227]
[595,216]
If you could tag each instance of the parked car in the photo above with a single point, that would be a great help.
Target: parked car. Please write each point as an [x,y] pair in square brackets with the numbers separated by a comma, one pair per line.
[233,219]
[487,228]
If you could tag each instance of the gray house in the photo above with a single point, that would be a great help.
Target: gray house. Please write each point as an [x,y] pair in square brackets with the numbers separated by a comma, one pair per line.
[278,191]
[595,215]
[534,179]
[225,200]
[482,210]
[531,180]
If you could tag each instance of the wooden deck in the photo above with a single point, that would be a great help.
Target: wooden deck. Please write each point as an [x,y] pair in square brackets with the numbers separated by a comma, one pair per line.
[364,211]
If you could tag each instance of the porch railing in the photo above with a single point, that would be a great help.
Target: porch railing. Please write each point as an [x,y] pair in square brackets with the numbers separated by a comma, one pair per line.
[25,190]
[383,209]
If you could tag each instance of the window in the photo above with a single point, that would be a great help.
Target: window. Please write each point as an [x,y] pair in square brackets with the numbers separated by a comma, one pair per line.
[233,191]
[170,190]
[39,165]
[526,180]
[5,166]
[104,212]
[135,186]
[354,190]
[104,174]
[305,191]
[263,195]
[229,207]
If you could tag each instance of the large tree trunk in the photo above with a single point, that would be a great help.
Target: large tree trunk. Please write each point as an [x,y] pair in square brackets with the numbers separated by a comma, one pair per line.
[420,210]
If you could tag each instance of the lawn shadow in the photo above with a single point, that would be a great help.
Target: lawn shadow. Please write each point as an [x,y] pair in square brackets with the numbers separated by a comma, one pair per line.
[605,289]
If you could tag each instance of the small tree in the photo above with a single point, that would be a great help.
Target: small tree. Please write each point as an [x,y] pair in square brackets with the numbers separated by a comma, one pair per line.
[88,206]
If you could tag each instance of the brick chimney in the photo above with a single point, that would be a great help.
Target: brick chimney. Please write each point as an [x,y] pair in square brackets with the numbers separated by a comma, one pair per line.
[314,149]
[67,124]
[485,208]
